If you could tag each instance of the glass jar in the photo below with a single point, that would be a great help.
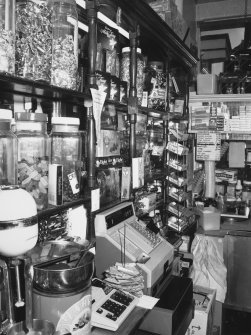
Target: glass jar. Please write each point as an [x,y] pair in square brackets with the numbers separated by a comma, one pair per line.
[157,96]
[33,39]
[7,36]
[8,150]
[246,192]
[125,71]
[156,145]
[64,44]
[66,150]
[33,157]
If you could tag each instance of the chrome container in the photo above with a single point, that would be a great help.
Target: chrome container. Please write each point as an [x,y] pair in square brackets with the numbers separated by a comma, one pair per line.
[67,268]
[39,327]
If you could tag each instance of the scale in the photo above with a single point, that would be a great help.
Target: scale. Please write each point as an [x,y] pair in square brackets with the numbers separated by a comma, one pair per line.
[18,234]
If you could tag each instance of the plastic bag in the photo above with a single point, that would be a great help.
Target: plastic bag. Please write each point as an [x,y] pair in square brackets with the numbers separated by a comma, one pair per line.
[209,269]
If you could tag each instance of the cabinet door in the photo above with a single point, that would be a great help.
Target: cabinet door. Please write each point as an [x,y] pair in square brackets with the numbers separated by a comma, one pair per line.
[237,254]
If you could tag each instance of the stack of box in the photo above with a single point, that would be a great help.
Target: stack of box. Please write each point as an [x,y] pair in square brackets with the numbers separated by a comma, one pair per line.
[169,12]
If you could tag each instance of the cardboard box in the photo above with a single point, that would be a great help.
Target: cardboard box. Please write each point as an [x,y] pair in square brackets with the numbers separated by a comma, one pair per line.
[202,323]
[210,218]
[55,184]
[207,83]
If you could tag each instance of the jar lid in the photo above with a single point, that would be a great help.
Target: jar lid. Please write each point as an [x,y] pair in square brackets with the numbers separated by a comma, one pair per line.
[5,114]
[26,116]
[127,49]
[71,121]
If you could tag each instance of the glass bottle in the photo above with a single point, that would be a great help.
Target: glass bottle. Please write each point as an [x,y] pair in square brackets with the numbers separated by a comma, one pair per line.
[33,157]
[64,44]
[8,150]
[7,36]
[125,71]
[66,150]
[33,39]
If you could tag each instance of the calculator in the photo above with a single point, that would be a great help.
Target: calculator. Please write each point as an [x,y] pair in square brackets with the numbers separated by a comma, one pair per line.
[110,306]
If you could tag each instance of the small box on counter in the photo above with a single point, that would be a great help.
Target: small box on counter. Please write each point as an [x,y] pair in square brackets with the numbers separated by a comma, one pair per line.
[207,83]
[225,175]
[202,323]
[55,185]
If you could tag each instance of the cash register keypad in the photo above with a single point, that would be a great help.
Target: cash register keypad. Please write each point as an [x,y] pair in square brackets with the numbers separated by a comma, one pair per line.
[116,305]
[147,233]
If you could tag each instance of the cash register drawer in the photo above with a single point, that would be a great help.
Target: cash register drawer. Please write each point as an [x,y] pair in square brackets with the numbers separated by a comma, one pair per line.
[174,310]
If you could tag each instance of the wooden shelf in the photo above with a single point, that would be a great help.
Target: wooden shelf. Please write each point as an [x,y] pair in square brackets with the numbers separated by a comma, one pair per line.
[51,210]
[220,98]
[29,88]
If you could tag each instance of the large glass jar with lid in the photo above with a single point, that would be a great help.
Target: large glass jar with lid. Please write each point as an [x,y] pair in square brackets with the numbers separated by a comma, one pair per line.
[7,36]
[66,150]
[64,44]
[33,155]
[8,150]
[33,39]
[125,71]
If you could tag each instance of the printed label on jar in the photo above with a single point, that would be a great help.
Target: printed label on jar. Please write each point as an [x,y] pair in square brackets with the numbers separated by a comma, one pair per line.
[73,180]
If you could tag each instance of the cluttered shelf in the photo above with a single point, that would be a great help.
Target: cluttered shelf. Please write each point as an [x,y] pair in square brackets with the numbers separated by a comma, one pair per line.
[51,210]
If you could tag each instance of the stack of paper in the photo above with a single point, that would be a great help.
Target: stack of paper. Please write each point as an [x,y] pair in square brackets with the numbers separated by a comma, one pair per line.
[125,277]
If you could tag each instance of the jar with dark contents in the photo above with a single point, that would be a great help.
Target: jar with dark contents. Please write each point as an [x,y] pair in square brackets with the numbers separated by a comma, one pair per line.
[66,150]
[32,154]
[33,39]
[125,71]
[7,36]
[64,70]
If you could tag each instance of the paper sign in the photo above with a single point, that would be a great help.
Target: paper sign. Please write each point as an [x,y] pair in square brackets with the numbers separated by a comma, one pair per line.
[147,302]
[95,199]
[98,98]
[77,222]
[208,146]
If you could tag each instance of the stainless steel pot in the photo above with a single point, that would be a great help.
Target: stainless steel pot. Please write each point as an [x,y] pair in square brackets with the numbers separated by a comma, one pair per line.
[65,273]
[39,327]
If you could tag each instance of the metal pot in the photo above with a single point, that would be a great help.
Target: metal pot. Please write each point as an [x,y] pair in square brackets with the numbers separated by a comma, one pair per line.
[39,327]
[64,271]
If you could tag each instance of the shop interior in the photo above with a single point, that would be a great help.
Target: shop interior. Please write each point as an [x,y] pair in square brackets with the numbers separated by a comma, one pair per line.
[125,167]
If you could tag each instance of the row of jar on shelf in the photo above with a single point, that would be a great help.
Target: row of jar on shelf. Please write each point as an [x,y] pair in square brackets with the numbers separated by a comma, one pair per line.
[40,40]
[37,160]
[26,149]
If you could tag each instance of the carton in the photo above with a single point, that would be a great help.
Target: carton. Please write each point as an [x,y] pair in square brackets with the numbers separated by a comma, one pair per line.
[209,218]
[202,323]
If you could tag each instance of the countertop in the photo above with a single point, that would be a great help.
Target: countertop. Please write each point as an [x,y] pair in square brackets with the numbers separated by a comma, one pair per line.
[129,326]
[230,227]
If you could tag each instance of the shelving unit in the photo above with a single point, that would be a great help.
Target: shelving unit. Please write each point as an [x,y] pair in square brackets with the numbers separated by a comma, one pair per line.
[177,152]
[157,41]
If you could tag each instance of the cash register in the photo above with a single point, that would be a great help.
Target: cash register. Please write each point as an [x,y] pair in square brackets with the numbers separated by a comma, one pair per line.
[122,237]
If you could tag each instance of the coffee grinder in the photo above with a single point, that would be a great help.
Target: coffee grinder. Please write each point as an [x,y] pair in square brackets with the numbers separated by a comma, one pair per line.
[18,234]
